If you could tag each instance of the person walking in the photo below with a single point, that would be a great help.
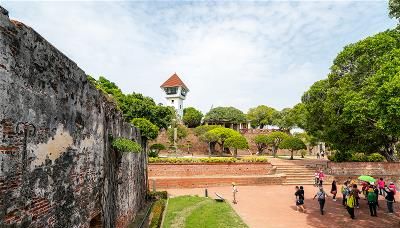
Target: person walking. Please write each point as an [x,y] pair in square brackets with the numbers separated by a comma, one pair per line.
[345,192]
[234,192]
[391,185]
[321,199]
[316,178]
[300,199]
[334,190]
[376,190]
[350,204]
[389,198]
[356,193]
[381,186]
[321,177]
[372,198]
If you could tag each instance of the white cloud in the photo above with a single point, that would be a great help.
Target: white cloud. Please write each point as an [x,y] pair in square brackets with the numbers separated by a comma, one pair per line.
[233,53]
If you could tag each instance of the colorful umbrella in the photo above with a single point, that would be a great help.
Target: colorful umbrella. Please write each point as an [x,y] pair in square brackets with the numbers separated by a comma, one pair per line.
[368,179]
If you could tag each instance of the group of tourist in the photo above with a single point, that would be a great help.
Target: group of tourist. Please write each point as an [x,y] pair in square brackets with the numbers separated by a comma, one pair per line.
[351,195]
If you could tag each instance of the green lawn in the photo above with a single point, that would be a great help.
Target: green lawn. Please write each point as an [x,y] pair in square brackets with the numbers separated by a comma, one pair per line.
[194,211]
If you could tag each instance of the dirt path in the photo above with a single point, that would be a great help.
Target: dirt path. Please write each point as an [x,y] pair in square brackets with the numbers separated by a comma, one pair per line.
[274,207]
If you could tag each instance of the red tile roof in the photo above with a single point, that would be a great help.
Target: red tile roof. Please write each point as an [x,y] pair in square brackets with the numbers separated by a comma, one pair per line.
[173,81]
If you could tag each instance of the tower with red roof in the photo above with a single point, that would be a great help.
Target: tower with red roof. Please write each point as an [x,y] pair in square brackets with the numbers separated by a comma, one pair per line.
[176,92]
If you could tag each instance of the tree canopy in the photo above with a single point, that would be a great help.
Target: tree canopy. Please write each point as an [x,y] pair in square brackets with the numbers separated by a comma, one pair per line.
[260,116]
[136,105]
[147,129]
[225,114]
[262,142]
[394,9]
[293,144]
[236,142]
[192,117]
[223,134]
[357,108]
[275,138]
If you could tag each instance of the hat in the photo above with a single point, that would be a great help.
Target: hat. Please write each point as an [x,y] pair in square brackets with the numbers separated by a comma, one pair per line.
[372,183]
[233,183]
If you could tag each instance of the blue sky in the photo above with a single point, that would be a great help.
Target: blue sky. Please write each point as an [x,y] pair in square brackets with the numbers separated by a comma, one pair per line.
[240,54]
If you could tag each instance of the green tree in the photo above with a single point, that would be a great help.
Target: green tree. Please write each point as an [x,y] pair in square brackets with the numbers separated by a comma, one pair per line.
[225,114]
[136,105]
[200,130]
[309,140]
[293,144]
[155,149]
[211,139]
[260,116]
[284,120]
[223,134]
[394,9]
[357,108]
[192,117]
[147,129]
[262,142]
[274,139]
[236,142]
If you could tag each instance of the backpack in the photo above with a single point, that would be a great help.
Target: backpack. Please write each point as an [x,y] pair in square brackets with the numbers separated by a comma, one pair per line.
[371,196]
[321,195]
[351,202]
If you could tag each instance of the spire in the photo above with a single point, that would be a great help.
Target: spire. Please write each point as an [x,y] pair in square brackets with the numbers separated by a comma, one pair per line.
[173,81]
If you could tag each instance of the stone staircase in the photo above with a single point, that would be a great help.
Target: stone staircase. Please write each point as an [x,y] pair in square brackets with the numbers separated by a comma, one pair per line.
[296,172]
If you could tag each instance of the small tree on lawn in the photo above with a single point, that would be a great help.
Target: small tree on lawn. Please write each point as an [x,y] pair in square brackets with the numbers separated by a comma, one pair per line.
[236,142]
[262,142]
[274,139]
[293,144]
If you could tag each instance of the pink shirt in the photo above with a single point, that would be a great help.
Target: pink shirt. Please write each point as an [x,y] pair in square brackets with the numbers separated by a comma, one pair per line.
[321,176]
[381,183]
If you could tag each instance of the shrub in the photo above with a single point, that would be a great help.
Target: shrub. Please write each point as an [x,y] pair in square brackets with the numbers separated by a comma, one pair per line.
[359,157]
[158,195]
[147,129]
[340,156]
[356,157]
[257,159]
[155,149]
[126,145]
[208,160]
[156,213]
[200,130]
[375,157]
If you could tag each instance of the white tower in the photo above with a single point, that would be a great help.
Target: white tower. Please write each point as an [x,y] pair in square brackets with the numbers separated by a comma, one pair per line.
[175,91]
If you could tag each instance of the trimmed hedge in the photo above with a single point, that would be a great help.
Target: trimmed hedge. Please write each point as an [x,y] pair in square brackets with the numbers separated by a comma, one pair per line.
[356,157]
[157,212]
[209,160]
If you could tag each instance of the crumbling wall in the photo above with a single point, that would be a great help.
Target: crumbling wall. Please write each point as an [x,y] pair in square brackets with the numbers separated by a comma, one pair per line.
[57,168]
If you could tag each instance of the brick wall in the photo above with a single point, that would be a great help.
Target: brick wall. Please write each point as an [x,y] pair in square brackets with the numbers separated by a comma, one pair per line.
[209,169]
[57,168]
[202,182]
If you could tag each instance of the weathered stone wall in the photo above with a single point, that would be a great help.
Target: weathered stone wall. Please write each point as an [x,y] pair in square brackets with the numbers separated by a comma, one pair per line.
[57,168]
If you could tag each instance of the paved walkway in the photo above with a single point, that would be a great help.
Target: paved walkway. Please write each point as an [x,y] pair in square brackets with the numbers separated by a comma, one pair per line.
[274,207]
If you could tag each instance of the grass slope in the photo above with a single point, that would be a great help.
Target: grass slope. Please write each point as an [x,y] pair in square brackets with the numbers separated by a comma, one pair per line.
[193,212]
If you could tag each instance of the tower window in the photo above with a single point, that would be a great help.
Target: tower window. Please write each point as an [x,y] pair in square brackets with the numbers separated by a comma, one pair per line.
[171,90]
[180,106]
[172,101]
